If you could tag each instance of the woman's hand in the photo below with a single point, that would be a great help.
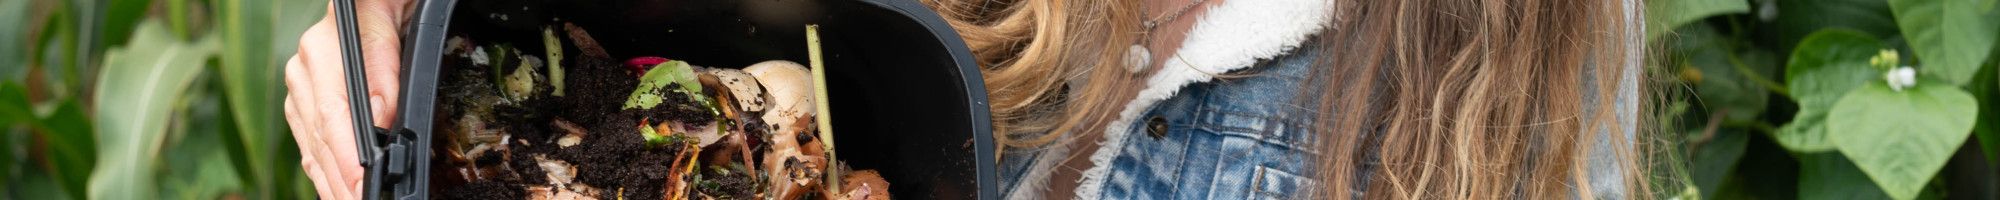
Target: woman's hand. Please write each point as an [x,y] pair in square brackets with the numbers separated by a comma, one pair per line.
[316,100]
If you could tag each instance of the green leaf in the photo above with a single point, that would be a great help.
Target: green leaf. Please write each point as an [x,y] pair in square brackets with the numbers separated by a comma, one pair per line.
[1986,87]
[1805,134]
[1715,160]
[135,97]
[653,85]
[38,186]
[1824,67]
[14,105]
[1828,64]
[1902,138]
[1950,37]
[199,166]
[1664,15]
[119,17]
[13,41]
[67,130]
[203,175]
[57,52]
[1799,19]
[1728,78]
[256,44]
[13,110]
[1831,176]
[290,19]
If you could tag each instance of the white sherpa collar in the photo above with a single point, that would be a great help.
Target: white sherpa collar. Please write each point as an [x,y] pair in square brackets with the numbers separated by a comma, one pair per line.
[1231,36]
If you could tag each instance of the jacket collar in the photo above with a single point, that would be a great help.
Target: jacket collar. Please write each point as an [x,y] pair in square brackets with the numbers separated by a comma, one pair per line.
[1231,36]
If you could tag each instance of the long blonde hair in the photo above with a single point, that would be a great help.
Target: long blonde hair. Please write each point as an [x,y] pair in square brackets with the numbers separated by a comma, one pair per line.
[1029,50]
[1462,96]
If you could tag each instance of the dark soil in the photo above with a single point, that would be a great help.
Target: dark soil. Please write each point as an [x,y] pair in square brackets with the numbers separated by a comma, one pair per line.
[611,156]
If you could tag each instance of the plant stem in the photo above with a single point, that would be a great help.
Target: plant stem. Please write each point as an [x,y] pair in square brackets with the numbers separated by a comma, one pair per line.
[1758,78]
[1761,126]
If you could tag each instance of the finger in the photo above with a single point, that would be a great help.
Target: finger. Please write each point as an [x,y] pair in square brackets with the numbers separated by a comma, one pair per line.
[301,129]
[355,189]
[331,177]
[306,126]
[329,87]
[319,180]
[378,25]
[380,22]
[319,157]
[298,84]
[309,149]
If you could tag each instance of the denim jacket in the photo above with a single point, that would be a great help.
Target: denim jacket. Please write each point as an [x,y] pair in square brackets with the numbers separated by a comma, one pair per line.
[1244,137]
[1238,138]
[1233,138]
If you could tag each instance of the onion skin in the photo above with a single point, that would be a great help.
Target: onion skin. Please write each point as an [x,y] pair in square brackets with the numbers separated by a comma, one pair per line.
[795,164]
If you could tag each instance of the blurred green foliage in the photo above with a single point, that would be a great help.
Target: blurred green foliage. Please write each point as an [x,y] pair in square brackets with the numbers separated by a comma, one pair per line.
[1842,130]
[148,99]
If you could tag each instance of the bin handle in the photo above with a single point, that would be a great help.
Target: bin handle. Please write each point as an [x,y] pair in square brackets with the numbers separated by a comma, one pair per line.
[357,95]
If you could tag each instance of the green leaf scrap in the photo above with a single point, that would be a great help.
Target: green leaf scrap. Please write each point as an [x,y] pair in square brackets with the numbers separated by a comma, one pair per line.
[653,85]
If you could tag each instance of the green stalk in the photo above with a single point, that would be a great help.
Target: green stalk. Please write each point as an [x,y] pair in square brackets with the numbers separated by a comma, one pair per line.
[1744,69]
[824,118]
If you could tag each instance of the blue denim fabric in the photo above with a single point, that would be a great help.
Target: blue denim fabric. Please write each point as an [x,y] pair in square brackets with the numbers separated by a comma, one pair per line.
[1231,138]
[1241,136]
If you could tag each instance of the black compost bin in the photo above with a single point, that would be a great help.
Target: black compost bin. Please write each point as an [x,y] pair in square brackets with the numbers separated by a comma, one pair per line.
[905,91]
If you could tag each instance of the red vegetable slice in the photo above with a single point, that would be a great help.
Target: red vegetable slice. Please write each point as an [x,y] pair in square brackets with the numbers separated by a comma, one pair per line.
[639,65]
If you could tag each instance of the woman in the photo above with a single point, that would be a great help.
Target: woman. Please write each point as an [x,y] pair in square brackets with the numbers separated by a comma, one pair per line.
[1235,99]
[1228,99]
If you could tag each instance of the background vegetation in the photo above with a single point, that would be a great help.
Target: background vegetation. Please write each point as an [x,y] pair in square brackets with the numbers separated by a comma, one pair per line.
[148,99]
[1790,99]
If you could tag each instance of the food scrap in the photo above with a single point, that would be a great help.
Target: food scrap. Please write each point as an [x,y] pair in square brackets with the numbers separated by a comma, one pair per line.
[565,120]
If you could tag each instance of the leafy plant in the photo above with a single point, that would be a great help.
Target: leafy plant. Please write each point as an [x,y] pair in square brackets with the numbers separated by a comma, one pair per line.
[140,85]
[1882,93]
[148,99]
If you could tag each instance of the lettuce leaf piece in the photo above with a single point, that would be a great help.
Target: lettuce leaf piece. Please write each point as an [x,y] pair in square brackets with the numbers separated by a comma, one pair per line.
[653,86]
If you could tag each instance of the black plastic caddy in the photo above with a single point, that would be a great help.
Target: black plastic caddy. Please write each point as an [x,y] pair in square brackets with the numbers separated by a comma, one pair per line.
[906,91]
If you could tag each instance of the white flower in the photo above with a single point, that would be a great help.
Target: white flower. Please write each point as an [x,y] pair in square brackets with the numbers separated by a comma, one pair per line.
[1901,77]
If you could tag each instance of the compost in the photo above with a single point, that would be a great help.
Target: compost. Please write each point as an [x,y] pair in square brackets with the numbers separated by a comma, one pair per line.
[554,115]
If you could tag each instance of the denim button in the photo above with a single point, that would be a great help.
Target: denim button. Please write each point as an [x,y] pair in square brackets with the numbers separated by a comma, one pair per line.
[1156,127]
